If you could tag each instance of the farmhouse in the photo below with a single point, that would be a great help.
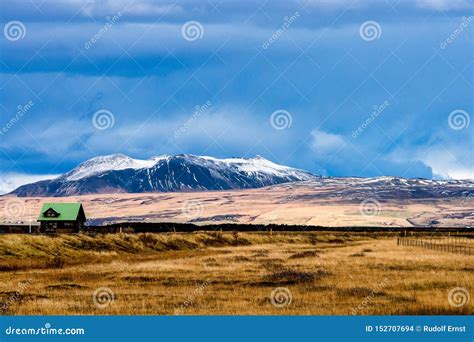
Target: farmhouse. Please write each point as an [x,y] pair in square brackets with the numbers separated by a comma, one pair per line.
[61,217]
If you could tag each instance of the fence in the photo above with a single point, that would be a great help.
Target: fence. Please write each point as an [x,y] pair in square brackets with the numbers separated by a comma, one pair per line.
[439,245]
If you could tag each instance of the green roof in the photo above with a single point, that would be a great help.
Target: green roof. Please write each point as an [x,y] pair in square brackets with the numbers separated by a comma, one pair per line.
[67,211]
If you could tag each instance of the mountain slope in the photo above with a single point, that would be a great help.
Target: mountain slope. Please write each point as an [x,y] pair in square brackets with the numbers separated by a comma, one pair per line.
[119,173]
[353,189]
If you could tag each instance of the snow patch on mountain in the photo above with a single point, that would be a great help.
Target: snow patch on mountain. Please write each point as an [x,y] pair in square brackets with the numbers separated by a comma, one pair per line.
[256,165]
[113,162]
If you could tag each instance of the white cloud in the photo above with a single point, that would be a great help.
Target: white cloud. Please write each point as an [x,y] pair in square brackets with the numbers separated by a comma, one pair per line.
[447,164]
[324,142]
[447,160]
[437,5]
[444,5]
[11,181]
[144,9]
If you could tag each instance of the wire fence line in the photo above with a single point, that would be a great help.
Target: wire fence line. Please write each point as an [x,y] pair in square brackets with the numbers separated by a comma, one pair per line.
[451,245]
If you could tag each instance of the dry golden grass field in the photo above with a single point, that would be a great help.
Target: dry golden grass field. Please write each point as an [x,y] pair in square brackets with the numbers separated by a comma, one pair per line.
[228,273]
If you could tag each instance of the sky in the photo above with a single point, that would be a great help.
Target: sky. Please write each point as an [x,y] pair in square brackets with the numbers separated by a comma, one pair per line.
[338,88]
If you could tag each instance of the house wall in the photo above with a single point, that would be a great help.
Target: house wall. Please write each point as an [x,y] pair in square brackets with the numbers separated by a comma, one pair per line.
[61,226]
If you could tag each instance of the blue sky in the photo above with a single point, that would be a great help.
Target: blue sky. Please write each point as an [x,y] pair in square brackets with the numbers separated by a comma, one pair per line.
[370,88]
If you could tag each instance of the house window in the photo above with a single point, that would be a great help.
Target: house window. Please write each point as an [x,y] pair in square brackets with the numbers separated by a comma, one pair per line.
[51,213]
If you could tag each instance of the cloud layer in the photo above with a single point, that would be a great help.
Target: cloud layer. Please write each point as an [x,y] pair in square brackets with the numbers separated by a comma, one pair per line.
[133,60]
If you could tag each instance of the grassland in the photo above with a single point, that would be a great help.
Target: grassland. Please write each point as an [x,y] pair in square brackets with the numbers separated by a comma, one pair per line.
[227,273]
[283,204]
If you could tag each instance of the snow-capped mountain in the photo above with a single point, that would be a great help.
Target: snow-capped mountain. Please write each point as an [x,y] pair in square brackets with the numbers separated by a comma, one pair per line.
[120,173]
[114,162]
[386,188]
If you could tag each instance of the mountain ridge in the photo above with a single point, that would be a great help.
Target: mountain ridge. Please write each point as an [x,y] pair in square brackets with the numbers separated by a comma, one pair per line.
[119,173]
